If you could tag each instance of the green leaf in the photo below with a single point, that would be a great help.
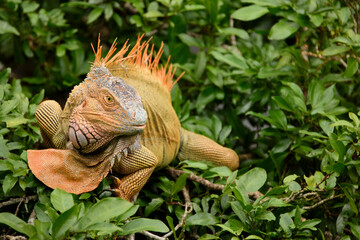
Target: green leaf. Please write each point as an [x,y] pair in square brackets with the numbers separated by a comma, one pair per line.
[269,3]
[282,30]
[253,237]
[104,228]
[316,19]
[8,183]
[253,180]
[224,133]
[153,205]
[144,224]
[352,67]
[128,213]
[309,224]
[241,33]
[355,229]
[5,27]
[153,14]
[8,106]
[180,183]
[212,9]
[278,118]
[296,89]
[200,63]
[355,119]
[239,211]
[118,20]
[249,13]
[17,224]
[15,122]
[202,219]
[274,202]
[64,222]
[235,225]
[190,41]
[61,200]
[103,210]
[232,60]
[194,164]
[342,123]
[94,14]
[60,51]
[267,216]
[297,217]
[262,116]
[338,146]
[108,12]
[286,223]
[5,75]
[334,50]
[29,6]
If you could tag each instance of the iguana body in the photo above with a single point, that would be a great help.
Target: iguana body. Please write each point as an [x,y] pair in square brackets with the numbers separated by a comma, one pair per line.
[102,127]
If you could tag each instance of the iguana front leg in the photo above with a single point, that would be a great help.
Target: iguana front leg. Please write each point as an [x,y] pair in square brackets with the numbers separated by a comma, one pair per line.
[197,147]
[137,168]
[48,116]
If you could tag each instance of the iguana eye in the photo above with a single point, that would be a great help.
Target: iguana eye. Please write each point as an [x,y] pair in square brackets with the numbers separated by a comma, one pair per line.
[108,99]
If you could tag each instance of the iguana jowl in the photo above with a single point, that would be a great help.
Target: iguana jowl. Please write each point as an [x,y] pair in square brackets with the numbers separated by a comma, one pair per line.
[120,118]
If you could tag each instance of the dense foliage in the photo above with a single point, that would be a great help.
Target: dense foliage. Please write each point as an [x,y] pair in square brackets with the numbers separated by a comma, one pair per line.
[276,80]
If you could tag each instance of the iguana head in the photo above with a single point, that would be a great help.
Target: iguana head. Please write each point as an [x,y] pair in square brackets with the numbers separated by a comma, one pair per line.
[109,108]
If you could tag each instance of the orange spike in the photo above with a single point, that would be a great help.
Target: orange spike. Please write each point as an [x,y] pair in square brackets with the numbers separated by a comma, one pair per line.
[139,56]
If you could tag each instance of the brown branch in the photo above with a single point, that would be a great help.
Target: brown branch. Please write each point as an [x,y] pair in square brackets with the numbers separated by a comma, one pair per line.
[152,236]
[32,218]
[15,237]
[188,209]
[320,202]
[195,178]
[18,200]
[245,156]
[354,18]
[232,36]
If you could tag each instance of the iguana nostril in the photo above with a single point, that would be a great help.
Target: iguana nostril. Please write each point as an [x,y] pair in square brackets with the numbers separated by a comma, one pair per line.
[140,117]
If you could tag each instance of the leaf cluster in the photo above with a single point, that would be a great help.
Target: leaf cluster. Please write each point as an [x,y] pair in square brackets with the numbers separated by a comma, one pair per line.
[276,80]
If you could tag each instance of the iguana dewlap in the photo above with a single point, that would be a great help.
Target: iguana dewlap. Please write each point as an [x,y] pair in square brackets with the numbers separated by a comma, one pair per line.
[119,118]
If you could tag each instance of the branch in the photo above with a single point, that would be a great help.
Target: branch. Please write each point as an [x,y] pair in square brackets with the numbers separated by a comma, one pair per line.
[320,202]
[195,178]
[152,236]
[18,200]
[15,237]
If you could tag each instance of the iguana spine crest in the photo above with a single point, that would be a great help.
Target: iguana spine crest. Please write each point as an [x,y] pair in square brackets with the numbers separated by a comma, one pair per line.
[140,57]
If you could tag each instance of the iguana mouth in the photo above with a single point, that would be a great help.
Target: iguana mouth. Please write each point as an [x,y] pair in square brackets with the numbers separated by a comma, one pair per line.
[114,150]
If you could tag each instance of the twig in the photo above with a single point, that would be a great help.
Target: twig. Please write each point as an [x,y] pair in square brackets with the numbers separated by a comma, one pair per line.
[15,237]
[18,200]
[320,202]
[255,195]
[188,209]
[354,18]
[245,156]
[18,206]
[32,218]
[195,178]
[152,236]
[232,36]
[130,8]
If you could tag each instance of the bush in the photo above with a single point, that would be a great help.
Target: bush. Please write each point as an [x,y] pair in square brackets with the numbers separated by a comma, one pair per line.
[275,80]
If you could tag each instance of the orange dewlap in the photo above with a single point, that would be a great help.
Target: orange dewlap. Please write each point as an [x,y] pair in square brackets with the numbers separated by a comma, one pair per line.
[62,169]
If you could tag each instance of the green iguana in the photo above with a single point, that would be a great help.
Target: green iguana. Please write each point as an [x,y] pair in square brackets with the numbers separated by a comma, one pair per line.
[119,119]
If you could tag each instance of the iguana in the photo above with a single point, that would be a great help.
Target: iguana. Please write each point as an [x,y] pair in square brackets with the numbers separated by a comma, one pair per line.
[119,119]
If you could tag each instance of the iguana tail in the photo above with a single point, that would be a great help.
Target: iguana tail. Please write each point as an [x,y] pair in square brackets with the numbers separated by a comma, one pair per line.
[197,147]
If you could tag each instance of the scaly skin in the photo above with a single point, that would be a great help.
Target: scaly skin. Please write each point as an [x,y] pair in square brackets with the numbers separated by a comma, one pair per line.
[119,118]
